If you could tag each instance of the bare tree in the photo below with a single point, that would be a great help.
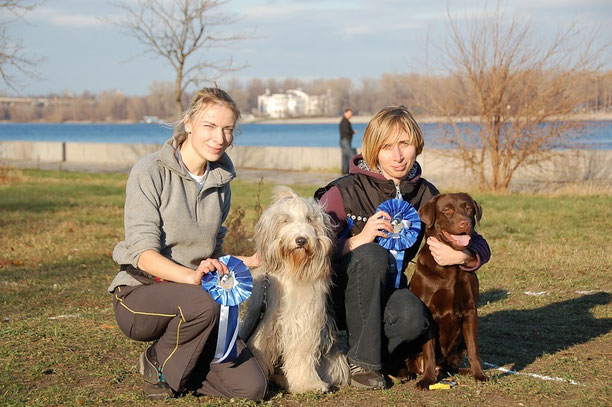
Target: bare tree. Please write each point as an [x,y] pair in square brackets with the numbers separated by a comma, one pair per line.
[160,100]
[180,31]
[12,53]
[255,88]
[235,88]
[112,105]
[339,89]
[520,90]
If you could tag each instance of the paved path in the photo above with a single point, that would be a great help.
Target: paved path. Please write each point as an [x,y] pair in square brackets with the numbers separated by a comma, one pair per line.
[286,177]
[247,174]
[278,177]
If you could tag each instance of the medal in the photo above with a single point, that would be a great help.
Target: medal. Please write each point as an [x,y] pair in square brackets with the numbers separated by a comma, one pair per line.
[406,228]
[229,290]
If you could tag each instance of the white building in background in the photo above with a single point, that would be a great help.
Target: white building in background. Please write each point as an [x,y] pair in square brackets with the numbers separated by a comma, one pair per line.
[293,103]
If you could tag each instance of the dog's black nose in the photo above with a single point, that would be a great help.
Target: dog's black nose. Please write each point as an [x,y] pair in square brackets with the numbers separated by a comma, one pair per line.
[300,241]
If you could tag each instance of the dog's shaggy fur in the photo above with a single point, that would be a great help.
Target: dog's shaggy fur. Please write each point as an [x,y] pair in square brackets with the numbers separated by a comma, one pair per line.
[295,341]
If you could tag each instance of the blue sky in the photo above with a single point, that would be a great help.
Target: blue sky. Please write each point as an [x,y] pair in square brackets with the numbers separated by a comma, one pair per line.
[292,38]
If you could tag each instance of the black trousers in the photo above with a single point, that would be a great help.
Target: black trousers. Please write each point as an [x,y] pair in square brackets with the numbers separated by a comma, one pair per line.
[183,319]
[378,317]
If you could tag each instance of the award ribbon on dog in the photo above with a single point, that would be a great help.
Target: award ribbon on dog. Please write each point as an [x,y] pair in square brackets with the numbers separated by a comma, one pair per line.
[406,228]
[229,290]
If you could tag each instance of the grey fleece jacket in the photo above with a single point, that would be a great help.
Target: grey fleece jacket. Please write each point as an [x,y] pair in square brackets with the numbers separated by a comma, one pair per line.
[164,212]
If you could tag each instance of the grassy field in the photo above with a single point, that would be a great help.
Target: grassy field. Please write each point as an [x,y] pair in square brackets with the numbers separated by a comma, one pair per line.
[59,343]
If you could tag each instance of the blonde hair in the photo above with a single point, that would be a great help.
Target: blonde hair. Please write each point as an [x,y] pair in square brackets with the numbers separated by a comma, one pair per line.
[387,123]
[204,97]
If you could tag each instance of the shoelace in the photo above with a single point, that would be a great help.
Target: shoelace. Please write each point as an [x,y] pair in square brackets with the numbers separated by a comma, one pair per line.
[356,369]
[160,376]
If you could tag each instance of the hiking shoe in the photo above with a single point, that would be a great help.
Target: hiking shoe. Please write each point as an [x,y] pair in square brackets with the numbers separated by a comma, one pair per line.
[159,391]
[367,379]
[155,383]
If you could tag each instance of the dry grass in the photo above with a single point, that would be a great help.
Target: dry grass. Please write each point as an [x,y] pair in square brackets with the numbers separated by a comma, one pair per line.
[567,189]
[9,174]
[61,346]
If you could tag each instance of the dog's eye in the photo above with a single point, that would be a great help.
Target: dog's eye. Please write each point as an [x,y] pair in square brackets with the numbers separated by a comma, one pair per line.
[468,209]
[447,211]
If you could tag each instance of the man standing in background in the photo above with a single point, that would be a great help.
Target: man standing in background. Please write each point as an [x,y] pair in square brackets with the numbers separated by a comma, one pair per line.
[346,136]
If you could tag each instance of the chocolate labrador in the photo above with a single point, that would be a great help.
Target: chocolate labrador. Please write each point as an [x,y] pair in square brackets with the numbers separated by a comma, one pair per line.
[450,293]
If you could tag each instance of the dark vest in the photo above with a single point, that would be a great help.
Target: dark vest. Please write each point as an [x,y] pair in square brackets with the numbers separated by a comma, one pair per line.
[361,195]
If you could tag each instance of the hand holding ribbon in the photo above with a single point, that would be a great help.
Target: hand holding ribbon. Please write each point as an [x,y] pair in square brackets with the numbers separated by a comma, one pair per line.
[229,290]
[406,226]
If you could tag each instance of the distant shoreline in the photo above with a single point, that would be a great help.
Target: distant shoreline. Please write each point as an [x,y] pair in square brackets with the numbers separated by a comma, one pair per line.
[364,119]
[357,119]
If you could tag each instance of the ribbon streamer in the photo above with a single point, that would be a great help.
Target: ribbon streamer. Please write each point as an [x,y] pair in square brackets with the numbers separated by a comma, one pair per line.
[347,229]
[406,228]
[229,290]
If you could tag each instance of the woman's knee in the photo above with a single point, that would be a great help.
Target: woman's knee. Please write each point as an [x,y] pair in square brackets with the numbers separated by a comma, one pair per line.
[246,379]
[406,317]
[253,376]
[255,388]
[371,257]
[125,319]
[196,305]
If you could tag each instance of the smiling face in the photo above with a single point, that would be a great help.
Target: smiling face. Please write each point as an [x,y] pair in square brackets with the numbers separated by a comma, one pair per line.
[210,132]
[396,156]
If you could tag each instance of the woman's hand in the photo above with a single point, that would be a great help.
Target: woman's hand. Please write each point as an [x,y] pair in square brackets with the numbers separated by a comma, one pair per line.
[208,265]
[250,261]
[445,255]
[159,266]
[376,226]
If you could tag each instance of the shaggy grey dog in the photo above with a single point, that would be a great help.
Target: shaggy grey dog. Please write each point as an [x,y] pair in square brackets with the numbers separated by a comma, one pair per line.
[295,341]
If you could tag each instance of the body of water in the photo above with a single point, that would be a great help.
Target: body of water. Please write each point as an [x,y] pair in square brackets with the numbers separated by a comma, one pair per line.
[596,134]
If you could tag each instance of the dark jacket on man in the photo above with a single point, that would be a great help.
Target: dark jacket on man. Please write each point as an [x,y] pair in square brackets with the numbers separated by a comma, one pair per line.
[346,130]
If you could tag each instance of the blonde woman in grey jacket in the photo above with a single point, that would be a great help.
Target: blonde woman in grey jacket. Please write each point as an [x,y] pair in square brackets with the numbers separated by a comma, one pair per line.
[176,202]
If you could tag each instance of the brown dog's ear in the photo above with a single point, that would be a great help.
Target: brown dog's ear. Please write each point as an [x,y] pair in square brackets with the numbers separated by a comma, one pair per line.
[427,212]
[477,211]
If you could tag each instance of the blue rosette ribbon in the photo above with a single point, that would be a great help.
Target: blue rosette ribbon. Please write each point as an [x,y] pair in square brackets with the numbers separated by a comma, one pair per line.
[406,228]
[229,290]
[345,232]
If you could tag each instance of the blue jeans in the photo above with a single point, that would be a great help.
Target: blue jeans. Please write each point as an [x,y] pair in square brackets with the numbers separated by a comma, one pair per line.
[377,316]
[347,153]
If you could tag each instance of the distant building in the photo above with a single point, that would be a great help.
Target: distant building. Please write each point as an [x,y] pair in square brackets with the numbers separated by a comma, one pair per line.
[14,101]
[293,103]
[150,120]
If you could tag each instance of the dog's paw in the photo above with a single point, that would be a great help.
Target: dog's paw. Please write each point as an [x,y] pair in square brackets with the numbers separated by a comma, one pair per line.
[305,387]
[405,375]
[480,377]
[424,383]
